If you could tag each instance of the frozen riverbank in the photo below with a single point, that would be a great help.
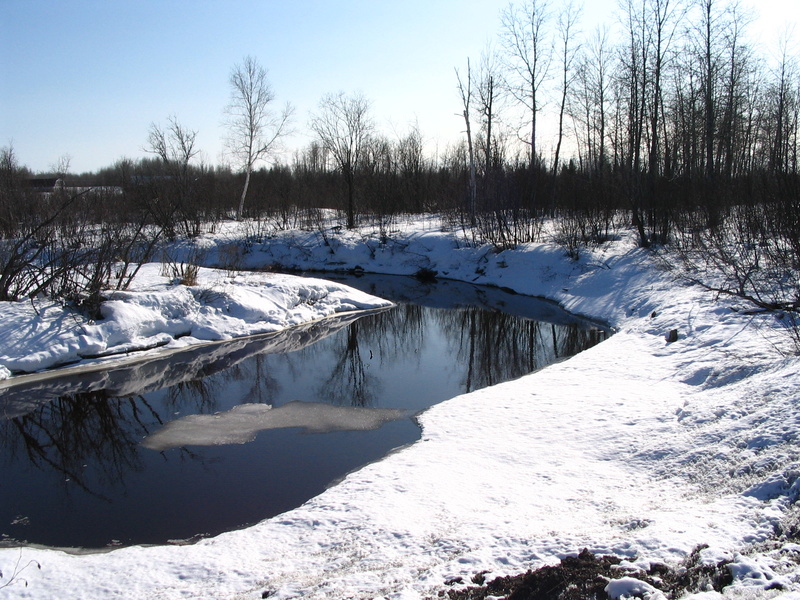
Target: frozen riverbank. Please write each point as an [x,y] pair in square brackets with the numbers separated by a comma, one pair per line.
[157,313]
[637,447]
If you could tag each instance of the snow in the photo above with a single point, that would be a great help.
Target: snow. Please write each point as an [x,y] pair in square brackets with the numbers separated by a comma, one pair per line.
[629,587]
[42,334]
[637,447]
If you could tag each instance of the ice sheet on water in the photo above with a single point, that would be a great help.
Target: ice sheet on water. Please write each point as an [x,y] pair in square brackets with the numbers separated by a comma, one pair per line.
[241,424]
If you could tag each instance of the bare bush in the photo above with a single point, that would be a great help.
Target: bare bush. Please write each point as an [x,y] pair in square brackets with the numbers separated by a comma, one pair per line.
[183,272]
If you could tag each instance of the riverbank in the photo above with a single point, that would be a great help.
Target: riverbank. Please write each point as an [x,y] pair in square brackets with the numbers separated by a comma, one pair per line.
[639,447]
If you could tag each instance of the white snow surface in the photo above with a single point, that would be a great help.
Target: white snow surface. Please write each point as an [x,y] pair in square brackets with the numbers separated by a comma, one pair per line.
[39,334]
[636,447]
[630,587]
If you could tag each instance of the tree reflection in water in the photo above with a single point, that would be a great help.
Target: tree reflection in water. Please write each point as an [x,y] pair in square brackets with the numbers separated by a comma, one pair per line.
[72,442]
[349,383]
[72,431]
[385,336]
[498,347]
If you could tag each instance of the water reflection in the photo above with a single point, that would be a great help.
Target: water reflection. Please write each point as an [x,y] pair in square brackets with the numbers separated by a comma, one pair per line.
[70,431]
[155,450]
[185,373]
[495,334]
[349,381]
[497,347]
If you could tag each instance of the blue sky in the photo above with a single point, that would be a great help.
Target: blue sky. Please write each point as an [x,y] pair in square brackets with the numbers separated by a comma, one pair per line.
[85,78]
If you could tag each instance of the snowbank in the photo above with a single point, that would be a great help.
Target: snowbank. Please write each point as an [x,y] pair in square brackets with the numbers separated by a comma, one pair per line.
[637,447]
[41,334]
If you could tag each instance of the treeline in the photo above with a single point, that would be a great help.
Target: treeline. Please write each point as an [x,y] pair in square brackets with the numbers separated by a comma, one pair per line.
[677,125]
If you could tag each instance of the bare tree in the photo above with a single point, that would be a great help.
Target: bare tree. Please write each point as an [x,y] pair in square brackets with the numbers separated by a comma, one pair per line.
[740,64]
[61,167]
[412,166]
[664,18]
[487,100]
[589,105]
[632,80]
[344,126]
[651,28]
[175,147]
[783,110]
[466,101]
[529,52]
[709,73]
[255,130]
[175,144]
[567,23]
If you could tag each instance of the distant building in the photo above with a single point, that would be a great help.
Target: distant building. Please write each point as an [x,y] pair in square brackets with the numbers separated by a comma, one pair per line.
[46,184]
[51,185]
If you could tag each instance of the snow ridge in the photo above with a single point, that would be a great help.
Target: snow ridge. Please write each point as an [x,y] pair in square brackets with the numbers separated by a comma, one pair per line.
[42,334]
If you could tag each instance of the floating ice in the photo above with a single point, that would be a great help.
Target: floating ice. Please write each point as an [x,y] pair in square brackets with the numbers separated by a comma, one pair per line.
[241,424]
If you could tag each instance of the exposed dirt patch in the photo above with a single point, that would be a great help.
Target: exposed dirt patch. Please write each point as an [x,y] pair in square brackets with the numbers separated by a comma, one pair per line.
[585,577]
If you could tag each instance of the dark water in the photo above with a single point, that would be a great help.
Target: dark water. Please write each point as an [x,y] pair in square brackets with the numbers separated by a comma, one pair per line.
[157,451]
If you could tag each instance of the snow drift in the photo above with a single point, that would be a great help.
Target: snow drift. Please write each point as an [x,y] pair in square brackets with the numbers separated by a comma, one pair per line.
[40,334]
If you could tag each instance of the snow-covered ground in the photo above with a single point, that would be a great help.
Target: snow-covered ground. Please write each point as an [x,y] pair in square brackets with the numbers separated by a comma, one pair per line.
[637,447]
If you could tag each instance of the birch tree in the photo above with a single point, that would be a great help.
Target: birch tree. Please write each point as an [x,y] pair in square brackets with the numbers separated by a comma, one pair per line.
[255,130]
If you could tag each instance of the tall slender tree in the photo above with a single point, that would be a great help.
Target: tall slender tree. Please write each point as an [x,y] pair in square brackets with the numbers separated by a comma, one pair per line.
[254,129]
[529,51]
[567,25]
[465,89]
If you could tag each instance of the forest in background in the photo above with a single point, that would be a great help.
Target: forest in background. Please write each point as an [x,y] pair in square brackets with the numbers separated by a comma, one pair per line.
[677,125]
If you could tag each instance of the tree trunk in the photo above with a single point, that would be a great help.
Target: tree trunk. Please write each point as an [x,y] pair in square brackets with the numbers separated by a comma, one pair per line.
[473,186]
[351,200]
[244,193]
